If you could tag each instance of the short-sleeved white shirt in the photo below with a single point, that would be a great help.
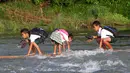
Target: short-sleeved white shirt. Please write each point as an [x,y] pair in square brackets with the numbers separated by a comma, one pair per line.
[33,37]
[104,33]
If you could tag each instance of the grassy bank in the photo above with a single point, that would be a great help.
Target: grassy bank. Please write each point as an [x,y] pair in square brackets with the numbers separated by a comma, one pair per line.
[77,18]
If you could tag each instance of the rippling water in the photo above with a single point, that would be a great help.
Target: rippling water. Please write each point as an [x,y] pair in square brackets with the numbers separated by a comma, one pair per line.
[84,58]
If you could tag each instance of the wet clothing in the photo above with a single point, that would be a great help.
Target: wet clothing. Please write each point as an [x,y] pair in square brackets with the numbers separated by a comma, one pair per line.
[56,37]
[59,36]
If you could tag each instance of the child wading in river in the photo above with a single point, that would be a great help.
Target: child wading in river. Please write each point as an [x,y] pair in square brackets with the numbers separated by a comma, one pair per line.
[104,37]
[34,37]
[59,37]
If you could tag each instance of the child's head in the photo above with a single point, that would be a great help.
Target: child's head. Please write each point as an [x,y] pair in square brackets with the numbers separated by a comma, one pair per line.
[25,33]
[70,37]
[96,25]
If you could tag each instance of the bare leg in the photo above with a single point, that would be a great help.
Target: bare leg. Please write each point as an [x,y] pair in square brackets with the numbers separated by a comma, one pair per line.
[108,45]
[33,51]
[30,49]
[63,46]
[103,45]
[59,48]
[55,47]
[68,43]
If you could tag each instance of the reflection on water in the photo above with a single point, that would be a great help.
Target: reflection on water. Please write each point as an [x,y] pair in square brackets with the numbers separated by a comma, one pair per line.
[84,58]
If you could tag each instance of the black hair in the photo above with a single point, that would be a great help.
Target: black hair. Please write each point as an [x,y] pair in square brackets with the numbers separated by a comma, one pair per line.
[70,35]
[25,30]
[97,23]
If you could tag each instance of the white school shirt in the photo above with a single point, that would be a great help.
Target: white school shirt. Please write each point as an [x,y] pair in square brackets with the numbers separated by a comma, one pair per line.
[104,33]
[33,37]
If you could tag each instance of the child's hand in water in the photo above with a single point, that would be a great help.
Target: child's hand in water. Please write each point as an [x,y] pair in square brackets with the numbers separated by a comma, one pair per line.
[94,37]
[89,40]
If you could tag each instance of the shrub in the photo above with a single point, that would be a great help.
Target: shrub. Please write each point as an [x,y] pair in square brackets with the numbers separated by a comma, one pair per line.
[111,18]
[37,1]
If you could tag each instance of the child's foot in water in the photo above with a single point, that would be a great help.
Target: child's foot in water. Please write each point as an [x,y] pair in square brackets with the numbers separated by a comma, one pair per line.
[32,54]
[52,54]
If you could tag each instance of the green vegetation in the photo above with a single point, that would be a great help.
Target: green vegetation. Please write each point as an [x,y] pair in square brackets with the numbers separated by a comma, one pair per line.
[73,15]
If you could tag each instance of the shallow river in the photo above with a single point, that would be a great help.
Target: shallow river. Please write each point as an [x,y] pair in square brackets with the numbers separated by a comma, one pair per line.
[84,58]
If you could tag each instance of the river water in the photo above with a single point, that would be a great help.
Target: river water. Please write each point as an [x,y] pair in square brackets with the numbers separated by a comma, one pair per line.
[83,58]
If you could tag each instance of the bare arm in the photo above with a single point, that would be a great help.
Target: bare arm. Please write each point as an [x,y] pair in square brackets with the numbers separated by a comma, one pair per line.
[33,44]
[101,43]
[30,49]
[68,43]
[94,37]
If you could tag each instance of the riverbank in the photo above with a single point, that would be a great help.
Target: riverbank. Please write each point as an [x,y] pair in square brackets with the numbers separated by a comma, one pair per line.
[75,18]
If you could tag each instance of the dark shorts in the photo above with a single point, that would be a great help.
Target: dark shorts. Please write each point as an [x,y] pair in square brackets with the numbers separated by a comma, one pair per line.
[56,42]
[39,41]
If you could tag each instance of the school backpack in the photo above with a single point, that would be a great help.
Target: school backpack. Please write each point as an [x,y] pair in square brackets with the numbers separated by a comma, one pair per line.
[113,30]
[39,31]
